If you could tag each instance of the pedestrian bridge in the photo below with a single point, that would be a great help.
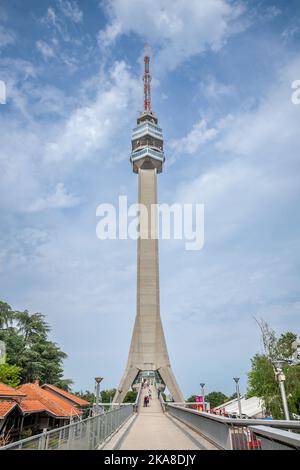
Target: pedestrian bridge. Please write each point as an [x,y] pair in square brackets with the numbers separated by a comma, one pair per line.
[164,426]
[151,428]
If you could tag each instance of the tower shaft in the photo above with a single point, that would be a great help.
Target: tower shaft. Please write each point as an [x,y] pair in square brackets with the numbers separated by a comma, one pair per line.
[148,350]
[148,355]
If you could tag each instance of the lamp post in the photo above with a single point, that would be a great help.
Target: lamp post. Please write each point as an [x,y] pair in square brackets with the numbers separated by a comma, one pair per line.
[203,396]
[98,380]
[280,377]
[236,379]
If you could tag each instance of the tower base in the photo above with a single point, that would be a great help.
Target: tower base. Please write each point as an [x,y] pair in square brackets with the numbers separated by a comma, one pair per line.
[162,377]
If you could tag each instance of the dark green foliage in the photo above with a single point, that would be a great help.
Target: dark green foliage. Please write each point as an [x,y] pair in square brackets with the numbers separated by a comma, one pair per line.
[232,397]
[28,347]
[6,315]
[216,399]
[213,398]
[65,384]
[191,399]
[87,395]
[107,395]
[130,397]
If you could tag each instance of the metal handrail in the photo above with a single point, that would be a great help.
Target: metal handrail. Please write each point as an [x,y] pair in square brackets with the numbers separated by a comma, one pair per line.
[89,431]
[276,423]
[230,433]
[285,438]
[138,398]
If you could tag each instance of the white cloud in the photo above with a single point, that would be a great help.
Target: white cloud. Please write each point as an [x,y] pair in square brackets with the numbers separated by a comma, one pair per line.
[60,199]
[196,138]
[256,153]
[92,127]
[7,37]
[250,195]
[248,180]
[64,38]
[177,29]
[38,153]
[46,50]
[18,68]
[51,19]
[291,31]
[71,10]
[212,89]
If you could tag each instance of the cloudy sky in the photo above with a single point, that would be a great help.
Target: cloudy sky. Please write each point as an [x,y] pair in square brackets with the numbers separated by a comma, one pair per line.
[222,75]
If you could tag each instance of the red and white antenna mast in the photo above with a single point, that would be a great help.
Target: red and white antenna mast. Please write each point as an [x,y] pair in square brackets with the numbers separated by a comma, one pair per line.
[147,80]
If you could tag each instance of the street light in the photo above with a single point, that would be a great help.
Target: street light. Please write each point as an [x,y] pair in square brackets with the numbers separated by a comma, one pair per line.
[98,380]
[280,377]
[203,396]
[236,379]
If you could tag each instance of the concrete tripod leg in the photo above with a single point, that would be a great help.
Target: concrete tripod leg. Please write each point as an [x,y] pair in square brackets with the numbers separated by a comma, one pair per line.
[170,382]
[125,384]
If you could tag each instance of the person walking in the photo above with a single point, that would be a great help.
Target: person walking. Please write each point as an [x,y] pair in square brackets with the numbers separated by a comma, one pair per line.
[145,400]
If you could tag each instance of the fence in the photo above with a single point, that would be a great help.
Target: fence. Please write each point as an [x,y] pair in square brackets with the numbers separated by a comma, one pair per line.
[276,439]
[86,434]
[238,434]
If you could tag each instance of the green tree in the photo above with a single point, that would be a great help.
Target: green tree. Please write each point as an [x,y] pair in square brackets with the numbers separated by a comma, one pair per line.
[213,398]
[191,399]
[10,374]
[107,395]
[216,399]
[87,395]
[130,396]
[6,315]
[232,397]
[28,346]
[32,326]
[262,383]
[65,384]
[261,378]
[284,345]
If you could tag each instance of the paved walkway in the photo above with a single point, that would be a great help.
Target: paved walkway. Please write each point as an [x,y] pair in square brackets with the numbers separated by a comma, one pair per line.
[154,430]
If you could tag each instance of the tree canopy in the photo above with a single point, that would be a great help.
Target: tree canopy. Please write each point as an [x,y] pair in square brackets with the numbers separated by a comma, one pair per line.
[213,398]
[10,374]
[216,399]
[261,378]
[29,348]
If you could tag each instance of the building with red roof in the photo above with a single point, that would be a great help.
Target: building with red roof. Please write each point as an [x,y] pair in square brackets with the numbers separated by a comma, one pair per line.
[67,396]
[35,408]
[10,392]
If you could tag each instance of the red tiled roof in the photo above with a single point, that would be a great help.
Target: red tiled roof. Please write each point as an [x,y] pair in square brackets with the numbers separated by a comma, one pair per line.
[69,396]
[52,403]
[6,407]
[31,406]
[6,391]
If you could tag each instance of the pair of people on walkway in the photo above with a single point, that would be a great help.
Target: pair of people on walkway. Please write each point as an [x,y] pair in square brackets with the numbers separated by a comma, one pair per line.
[146,400]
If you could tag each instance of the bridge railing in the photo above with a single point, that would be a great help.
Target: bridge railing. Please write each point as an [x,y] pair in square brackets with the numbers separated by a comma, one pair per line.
[276,439]
[234,434]
[86,434]
[162,402]
[138,399]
